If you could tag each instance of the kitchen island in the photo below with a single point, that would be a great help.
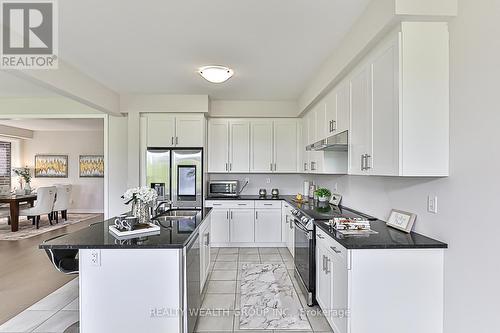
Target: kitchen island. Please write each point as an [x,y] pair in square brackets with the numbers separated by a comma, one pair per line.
[142,284]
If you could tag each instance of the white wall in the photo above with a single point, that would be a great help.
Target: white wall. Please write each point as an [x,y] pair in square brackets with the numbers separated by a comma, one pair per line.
[88,193]
[117,164]
[468,200]
[285,183]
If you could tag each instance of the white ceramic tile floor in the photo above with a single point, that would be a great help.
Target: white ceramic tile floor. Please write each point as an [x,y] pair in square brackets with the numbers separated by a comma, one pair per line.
[59,310]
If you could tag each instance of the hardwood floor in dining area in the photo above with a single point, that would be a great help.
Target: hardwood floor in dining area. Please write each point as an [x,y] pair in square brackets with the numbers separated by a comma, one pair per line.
[26,274]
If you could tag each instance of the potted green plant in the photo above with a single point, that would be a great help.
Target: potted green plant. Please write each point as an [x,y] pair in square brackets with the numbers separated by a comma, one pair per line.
[323,194]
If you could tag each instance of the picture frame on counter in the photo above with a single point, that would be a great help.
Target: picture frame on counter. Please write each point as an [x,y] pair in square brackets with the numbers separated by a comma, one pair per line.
[401,220]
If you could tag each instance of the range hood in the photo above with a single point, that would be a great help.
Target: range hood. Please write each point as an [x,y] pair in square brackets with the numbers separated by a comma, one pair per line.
[337,142]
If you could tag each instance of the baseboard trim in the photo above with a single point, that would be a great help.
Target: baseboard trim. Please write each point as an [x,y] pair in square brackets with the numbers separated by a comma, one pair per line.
[86,211]
[248,244]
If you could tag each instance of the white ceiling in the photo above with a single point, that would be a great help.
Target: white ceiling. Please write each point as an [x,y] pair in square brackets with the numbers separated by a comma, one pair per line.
[156,46]
[71,125]
[11,87]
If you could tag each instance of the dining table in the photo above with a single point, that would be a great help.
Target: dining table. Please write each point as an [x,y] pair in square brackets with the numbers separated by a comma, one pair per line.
[14,201]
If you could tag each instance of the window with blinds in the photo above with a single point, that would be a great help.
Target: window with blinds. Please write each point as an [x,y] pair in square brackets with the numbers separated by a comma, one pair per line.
[5,160]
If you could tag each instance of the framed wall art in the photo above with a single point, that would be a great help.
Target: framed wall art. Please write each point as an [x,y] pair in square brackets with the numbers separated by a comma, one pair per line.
[51,166]
[91,166]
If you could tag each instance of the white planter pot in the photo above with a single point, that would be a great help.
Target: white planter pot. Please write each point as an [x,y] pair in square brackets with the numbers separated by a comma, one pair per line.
[323,199]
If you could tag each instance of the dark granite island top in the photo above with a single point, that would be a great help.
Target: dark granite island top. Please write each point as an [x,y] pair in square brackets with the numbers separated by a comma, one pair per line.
[174,234]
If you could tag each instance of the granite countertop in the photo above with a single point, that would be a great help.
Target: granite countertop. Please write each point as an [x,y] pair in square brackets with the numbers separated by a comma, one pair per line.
[174,234]
[385,238]
[248,197]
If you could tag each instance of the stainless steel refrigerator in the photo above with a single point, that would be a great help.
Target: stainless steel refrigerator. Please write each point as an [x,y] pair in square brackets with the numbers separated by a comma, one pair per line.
[176,175]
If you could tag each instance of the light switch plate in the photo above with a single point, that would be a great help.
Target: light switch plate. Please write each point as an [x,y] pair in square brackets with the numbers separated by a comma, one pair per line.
[432,204]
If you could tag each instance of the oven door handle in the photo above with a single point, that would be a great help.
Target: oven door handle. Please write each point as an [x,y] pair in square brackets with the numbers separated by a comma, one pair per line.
[301,228]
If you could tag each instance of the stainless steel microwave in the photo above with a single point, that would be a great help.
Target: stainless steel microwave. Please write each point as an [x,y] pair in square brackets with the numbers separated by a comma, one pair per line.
[223,188]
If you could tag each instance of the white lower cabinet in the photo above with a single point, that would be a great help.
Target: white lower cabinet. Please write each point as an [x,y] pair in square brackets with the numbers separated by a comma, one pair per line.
[241,225]
[245,222]
[287,231]
[355,288]
[267,225]
[204,239]
[220,225]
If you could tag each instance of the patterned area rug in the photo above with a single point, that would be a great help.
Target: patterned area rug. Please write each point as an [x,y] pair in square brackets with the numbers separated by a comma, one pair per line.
[268,299]
[27,229]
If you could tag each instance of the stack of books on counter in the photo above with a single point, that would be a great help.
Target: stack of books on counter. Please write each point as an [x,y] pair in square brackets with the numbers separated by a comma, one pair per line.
[352,226]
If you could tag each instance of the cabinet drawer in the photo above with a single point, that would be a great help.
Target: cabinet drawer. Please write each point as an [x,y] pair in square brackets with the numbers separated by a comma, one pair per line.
[329,243]
[229,204]
[268,204]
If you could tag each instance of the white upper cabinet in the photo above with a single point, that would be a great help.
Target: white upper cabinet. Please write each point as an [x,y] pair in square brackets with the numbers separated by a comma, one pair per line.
[218,145]
[361,121]
[160,130]
[239,146]
[285,145]
[261,146]
[189,131]
[343,100]
[399,99]
[173,130]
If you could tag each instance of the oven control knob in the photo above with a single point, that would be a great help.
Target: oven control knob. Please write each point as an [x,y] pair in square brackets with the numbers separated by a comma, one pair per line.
[295,212]
[304,219]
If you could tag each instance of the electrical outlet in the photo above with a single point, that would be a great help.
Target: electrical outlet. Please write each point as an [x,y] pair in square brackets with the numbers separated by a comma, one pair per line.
[335,188]
[95,257]
[268,180]
[432,202]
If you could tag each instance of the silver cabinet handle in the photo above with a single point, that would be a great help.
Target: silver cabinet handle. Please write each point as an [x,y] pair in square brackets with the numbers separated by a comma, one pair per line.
[367,159]
[320,236]
[216,204]
[334,125]
[207,239]
[362,162]
[271,166]
[230,166]
[172,141]
[331,126]
[242,204]
[268,204]
[305,166]
[256,215]
[335,249]
[226,167]
[327,271]
[275,167]
[313,166]
[176,140]
[324,263]
[231,214]
[227,215]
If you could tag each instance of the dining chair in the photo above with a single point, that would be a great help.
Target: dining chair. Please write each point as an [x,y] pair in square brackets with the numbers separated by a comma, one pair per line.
[5,212]
[44,205]
[63,197]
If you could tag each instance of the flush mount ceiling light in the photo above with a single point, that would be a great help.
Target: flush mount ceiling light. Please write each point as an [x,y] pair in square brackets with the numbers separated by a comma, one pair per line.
[216,74]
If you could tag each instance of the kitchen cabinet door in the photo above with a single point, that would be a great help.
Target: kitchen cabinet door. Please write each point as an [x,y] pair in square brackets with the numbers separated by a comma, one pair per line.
[343,99]
[361,121]
[204,251]
[339,292]
[331,112]
[268,225]
[321,122]
[219,226]
[241,225]
[261,146]
[305,137]
[218,145]
[239,146]
[189,131]
[285,145]
[385,80]
[160,130]
[323,277]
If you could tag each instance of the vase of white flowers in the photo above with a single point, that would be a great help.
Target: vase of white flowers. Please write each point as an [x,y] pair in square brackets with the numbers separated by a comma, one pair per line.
[142,199]
[24,174]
